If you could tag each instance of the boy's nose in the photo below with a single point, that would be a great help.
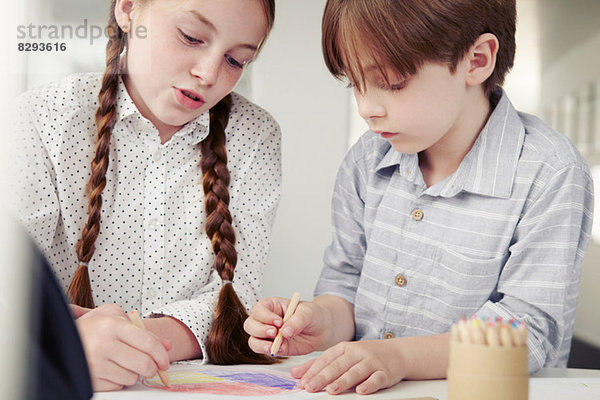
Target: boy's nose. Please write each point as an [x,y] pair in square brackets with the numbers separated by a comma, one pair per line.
[206,69]
[368,106]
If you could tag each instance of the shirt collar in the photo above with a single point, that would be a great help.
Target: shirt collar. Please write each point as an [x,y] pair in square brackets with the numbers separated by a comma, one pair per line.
[127,110]
[489,168]
[491,165]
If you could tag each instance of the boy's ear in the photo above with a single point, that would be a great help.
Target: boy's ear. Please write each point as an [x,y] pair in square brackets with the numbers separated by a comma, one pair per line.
[481,58]
[124,14]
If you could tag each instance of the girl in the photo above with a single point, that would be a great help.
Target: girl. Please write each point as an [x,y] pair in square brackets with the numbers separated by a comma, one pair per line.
[452,204]
[128,233]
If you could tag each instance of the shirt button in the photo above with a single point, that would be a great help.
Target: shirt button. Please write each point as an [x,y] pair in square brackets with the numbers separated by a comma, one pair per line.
[153,224]
[152,293]
[400,280]
[157,155]
[388,335]
[417,214]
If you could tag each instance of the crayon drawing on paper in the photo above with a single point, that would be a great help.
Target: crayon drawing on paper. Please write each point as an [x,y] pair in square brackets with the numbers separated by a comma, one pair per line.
[232,382]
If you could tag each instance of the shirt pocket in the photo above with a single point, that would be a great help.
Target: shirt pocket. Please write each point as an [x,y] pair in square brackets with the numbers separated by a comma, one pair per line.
[465,281]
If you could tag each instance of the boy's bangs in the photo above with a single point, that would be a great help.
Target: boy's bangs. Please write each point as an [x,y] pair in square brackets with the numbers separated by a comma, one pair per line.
[355,38]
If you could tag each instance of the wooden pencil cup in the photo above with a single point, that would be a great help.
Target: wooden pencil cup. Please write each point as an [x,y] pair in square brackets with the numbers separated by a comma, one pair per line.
[477,372]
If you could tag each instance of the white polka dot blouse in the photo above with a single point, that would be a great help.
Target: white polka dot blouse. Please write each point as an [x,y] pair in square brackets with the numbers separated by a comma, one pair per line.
[152,253]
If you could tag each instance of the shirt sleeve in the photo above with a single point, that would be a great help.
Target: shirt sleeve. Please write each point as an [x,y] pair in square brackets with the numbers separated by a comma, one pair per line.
[253,206]
[540,280]
[33,194]
[343,258]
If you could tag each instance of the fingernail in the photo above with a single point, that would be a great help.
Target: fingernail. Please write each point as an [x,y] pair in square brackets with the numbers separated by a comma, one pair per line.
[287,331]
[334,387]
[271,332]
[311,387]
[301,384]
[267,348]
[277,322]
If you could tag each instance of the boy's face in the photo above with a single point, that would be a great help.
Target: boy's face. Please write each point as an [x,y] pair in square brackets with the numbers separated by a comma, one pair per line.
[418,112]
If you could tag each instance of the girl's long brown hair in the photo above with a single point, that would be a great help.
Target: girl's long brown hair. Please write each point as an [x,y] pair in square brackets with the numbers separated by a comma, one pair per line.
[80,290]
[227,342]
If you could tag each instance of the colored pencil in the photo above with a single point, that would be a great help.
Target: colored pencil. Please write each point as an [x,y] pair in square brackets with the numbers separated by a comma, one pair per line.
[137,321]
[288,313]
[476,333]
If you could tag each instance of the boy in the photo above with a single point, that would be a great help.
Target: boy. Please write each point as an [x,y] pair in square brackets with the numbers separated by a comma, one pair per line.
[452,204]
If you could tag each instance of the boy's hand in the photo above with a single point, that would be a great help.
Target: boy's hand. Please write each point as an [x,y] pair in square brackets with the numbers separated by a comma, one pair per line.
[117,352]
[369,365]
[302,333]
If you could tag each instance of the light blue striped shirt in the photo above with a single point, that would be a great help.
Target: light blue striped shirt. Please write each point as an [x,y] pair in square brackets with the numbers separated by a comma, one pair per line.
[503,236]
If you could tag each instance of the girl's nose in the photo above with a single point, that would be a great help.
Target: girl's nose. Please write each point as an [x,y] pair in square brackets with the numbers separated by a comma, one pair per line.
[369,105]
[207,68]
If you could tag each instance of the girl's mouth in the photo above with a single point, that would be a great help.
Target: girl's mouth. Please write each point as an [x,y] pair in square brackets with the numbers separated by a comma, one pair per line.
[188,99]
[191,95]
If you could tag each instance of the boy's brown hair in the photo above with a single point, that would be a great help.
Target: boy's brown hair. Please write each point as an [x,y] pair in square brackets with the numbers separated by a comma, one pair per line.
[404,34]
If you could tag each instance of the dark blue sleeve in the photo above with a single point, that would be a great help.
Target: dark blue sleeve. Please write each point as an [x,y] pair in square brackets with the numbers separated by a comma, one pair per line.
[56,353]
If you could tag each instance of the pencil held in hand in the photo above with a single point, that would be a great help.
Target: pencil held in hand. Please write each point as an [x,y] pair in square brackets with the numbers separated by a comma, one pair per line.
[137,321]
[288,313]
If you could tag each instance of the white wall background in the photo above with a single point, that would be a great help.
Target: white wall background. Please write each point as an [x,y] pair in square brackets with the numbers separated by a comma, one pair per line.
[291,81]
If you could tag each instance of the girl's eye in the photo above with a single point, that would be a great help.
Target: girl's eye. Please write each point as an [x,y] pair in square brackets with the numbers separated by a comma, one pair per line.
[233,62]
[189,39]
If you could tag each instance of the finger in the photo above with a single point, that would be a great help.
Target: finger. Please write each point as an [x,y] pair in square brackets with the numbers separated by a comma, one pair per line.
[374,383]
[298,322]
[258,329]
[145,342]
[78,311]
[111,310]
[259,346]
[328,356]
[132,359]
[166,343]
[299,371]
[107,310]
[329,373]
[109,373]
[357,374]
[103,385]
[269,311]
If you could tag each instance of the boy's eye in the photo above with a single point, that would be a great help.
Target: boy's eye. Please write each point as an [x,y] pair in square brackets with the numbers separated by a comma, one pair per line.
[233,62]
[190,39]
[399,86]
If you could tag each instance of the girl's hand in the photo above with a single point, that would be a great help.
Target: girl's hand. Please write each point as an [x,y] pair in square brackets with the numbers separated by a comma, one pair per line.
[117,352]
[369,365]
[78,311]
[302,333]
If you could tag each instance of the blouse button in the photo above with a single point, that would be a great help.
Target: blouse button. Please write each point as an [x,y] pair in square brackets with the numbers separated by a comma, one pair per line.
[417,214]
[400,280]
[153,224]
[388,335]
[157,155]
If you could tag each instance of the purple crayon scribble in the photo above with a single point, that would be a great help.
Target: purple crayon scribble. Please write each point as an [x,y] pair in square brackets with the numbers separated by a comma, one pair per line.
[257,378]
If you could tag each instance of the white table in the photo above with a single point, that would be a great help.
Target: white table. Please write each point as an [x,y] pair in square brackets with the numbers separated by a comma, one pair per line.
[548,384]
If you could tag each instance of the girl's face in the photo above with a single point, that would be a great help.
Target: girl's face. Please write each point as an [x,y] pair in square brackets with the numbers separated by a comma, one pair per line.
[417,112]
[184,56]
